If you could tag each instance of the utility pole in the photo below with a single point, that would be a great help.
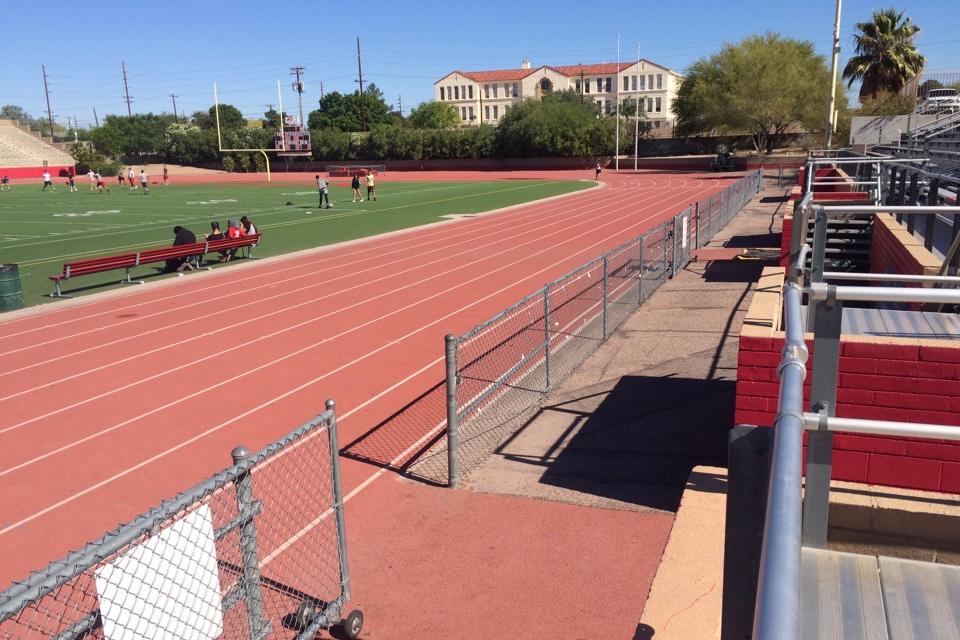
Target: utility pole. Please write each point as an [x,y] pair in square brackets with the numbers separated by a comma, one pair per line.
[400,104]
[174,108]
[47,91]
[363,112]
[299,88]
[95,118]
[75,138]
[831,117]
[126,88]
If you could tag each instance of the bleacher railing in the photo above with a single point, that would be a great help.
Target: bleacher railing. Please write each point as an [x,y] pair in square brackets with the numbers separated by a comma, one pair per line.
[256,551]
[499,373]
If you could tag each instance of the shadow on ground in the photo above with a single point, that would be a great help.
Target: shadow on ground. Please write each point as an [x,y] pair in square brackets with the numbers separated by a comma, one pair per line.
[641,443]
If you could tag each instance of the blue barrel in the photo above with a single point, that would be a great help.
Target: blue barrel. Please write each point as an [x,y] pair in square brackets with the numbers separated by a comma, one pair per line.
[11,295]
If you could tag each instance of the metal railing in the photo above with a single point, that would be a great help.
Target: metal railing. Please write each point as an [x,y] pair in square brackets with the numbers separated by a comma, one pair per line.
[256,551]
[499,374]
[798,499]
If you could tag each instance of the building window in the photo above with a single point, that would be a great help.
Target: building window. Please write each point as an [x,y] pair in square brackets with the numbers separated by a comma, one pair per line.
[495,92]
[600,105]
[486,112]
[587,84]
[658,105]
[441,94]
[606,107]
[496,115]
[471,113]
[650,81]
[634,83]
[486,91]
[463,113]
[577,86]
[656,124]
[515,92]
[609,85]
[506,90]
[649,105]
[659,81]
[456,93]
[643,83]
[471,91]
[626,83]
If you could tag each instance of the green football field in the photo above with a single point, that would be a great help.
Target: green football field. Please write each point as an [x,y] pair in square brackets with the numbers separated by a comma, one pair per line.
[39,231]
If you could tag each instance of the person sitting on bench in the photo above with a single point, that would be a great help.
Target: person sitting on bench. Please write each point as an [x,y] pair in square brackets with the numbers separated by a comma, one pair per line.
[234,230]
[181,236]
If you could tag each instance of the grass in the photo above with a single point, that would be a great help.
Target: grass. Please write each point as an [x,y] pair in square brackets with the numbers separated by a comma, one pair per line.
[39,231]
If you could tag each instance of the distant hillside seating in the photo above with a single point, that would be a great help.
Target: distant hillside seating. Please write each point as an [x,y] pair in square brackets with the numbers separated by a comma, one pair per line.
[24,150]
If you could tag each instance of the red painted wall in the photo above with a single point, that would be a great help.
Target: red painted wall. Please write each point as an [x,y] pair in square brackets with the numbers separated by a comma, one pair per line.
[905,383]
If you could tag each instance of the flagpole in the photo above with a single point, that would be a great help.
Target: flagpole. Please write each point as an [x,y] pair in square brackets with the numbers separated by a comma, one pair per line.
[636,114]
[616,156]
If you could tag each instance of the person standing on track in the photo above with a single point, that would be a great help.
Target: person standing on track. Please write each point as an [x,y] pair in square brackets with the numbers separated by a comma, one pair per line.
[166,176]
[324,191]
[598,170]
[371,186]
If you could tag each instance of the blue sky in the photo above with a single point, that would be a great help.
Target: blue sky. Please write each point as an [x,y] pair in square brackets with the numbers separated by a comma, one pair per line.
[182,48]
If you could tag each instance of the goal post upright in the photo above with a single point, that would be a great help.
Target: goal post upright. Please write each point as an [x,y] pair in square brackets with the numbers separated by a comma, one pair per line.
[216,107]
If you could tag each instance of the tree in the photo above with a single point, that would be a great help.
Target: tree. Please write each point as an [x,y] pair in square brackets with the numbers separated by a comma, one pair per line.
[885,54]
[131,135]
[554,127]
[761,86]
[885,104]
[434,115]
[230,117]
[271,120]
[340,111]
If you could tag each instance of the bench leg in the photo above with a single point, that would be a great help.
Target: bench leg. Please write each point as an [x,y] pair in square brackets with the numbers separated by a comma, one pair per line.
[58,293]
[199,265]
[127,280]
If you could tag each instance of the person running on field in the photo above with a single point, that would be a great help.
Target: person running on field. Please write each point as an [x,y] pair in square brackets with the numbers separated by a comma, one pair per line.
[324,194]
[71,183]
[100,185]
[355,185]
[130,178]
[5,182]
[371,186]
[166,176]
[143,181]
[92,179]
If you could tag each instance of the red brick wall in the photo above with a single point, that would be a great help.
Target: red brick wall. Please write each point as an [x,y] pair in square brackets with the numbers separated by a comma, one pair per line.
[877,381]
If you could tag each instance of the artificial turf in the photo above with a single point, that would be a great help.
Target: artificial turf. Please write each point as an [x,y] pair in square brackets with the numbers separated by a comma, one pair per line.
[39,231]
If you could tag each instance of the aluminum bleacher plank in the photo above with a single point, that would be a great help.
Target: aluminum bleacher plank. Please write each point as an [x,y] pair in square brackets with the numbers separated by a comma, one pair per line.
[840,597]
[922,599]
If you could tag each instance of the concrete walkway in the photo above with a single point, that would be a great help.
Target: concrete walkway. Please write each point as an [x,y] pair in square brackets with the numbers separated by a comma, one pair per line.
[642,425]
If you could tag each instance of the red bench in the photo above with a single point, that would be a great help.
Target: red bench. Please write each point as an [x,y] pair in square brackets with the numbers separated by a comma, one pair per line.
[148,256]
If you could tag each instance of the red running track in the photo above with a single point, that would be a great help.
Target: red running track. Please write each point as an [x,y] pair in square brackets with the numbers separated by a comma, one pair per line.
[113,402]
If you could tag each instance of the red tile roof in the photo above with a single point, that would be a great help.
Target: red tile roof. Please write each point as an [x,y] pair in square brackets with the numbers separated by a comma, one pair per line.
[571,71]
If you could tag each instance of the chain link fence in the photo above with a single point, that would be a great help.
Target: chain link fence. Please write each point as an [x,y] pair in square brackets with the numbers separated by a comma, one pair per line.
[257,551]
[500,373]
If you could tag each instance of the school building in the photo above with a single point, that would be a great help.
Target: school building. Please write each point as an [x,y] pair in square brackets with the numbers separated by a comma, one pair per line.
[485,96]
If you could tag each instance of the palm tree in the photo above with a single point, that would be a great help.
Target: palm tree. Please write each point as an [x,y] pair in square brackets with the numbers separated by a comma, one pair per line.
[885,54]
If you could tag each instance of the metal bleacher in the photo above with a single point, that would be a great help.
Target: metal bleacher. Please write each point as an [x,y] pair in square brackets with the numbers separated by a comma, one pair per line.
[19,148]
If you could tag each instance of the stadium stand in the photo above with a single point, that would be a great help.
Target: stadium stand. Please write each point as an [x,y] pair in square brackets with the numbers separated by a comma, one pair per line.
[25,154]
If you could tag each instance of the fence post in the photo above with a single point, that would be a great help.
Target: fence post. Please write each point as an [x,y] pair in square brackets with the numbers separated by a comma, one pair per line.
[452,435]
[697,218]
[338,500]
[640,271]
[673,247]
[605,296]
[248,546]
[546,325]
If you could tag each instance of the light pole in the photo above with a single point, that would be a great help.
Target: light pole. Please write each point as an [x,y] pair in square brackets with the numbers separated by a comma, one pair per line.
[833,80]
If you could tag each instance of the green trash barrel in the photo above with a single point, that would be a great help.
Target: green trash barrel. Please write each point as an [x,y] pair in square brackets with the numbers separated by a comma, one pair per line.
[11,295]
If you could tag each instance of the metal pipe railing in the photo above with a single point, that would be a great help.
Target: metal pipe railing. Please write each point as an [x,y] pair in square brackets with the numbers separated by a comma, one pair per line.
[889,277]
[822,291]
[881,427]
[777,614]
